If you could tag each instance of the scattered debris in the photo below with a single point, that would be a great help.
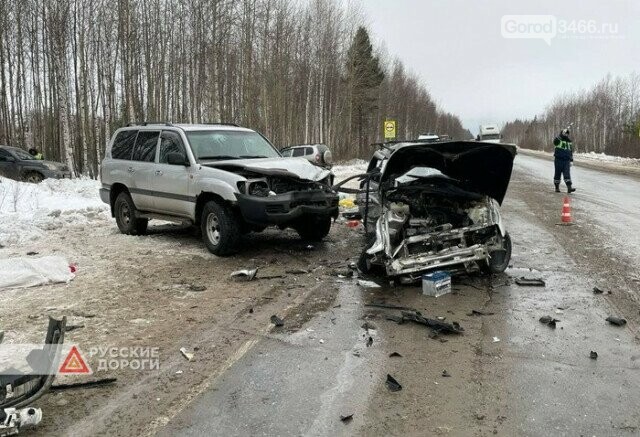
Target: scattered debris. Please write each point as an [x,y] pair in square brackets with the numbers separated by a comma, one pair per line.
[436,325]
[479,416]
[593,355]
[70,328]
[388,306]
[399,320]
[369,341]
[14,419]
[194,287]
[445,374]
[277,320]
[250,310]
[245,274]
[496,339]
[395,354]
[367,284]
[85,384]
[618,321]
[530,282]
[31,253]
[297,271]
[187,355]
[321,341]
[392,384]
[346,417]
[436,284]
[368,325]
[597,290]
[549,321]
[479,313]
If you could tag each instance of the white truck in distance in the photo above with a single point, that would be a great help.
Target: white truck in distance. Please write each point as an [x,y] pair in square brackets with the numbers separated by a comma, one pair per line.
[489,133]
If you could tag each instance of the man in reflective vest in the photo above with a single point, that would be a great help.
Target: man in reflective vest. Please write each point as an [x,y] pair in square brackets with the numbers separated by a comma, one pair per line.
[563,155]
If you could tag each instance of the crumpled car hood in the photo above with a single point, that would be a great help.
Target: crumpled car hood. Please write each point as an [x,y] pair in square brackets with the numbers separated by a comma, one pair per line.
[480,167]
[290,167]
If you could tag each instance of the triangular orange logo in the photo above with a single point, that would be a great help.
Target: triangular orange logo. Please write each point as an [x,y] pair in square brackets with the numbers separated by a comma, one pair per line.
[74,363]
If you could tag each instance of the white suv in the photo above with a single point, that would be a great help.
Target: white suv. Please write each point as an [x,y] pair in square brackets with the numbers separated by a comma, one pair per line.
[224,178]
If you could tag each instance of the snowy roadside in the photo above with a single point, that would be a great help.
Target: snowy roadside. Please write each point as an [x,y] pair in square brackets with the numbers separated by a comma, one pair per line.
[27,211]
[595,160]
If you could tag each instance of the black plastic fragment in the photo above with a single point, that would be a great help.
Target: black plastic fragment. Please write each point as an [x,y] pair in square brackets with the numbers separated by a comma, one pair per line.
[530,282]
[346,417]
[593,355]
[618,321]
[369,341]
[392,384]
[436,325]
[85,384]
[277,320]
[395,354]
[549,321]
[445,374]
[479,313]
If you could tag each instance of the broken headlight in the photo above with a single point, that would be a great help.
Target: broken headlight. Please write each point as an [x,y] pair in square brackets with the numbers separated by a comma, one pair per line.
[258,188]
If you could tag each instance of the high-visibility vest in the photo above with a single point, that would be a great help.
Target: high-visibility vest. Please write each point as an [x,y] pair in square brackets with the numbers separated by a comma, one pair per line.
[39,156]
[564,145]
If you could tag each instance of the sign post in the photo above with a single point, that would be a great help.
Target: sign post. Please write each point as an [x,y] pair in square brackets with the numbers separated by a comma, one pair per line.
[389,128]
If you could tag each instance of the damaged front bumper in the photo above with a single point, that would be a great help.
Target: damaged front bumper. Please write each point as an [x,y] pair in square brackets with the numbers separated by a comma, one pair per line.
[281,209]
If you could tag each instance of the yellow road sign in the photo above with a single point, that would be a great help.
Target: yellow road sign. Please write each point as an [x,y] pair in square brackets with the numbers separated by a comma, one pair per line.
[389,127]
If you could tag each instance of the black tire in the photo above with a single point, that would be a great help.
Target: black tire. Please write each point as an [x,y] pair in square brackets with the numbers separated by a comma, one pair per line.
[33,177]
[499,260]
[220,229]
[125,213]
[314,229]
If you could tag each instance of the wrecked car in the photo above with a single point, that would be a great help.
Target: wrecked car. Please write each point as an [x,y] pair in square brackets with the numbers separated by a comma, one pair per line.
[435,206]
[225,179]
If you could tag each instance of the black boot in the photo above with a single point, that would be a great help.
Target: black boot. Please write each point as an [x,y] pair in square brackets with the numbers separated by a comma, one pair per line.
[569,189]
[557,187]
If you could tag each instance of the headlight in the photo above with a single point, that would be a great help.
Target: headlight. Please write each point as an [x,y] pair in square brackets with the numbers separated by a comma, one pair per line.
[259,188]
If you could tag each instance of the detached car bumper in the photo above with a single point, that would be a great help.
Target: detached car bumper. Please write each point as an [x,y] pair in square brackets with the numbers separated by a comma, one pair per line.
[285,208]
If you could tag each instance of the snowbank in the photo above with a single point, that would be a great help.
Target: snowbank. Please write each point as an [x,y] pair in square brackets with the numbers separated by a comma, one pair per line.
[608,158]
[29,210]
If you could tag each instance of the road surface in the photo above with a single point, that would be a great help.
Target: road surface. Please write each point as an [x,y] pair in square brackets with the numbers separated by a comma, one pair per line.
[510,374]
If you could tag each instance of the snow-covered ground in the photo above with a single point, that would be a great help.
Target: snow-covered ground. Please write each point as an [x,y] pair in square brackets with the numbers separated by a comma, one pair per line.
[28,210]
[608,158]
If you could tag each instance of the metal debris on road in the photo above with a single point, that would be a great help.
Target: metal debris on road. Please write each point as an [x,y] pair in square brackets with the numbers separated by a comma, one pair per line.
[618,321]
[16,419]
[187,355]
[530,282]
[436,325]
[496,340]
[597,290]
[346,417]
[479,313]
[367,284]
[593,355]
[85,384]
[277,320]
[549,321]
[392,384]
[245,274]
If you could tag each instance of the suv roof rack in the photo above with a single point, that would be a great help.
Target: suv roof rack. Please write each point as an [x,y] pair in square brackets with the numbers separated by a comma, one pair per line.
[145,123]
[222,123]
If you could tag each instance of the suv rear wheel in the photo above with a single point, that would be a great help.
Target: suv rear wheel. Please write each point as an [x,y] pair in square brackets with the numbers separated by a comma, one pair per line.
[126,216]
[314,229]
[33,177]
[220,229]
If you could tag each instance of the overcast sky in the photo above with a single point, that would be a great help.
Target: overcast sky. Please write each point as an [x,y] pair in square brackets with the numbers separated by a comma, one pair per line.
[456,47]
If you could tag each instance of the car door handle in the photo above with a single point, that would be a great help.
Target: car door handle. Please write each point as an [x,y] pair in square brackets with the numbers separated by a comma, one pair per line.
[158,172]
[130,170]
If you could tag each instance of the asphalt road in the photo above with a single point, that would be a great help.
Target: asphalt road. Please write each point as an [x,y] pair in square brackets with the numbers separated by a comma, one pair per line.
[510,374]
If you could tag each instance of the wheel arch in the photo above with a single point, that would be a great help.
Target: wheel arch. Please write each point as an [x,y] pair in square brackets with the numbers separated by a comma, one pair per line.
[114,192]
[202,199]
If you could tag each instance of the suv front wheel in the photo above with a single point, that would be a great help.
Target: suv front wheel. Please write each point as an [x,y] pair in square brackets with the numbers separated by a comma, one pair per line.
[314,229]
[126,216]
[220,230]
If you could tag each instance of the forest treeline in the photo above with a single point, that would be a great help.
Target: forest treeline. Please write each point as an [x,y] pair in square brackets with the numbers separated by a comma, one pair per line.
[606,119]
[299,72]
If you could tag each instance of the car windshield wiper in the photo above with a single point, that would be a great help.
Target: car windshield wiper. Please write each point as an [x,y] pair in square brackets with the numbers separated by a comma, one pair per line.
[220,157]
[252,156]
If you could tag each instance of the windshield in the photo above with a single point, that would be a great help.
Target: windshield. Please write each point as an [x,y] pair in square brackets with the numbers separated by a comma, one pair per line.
[21,154]
[228,144]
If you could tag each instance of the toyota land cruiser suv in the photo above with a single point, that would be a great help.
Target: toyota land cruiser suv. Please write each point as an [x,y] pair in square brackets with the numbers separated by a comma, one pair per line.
[226,179]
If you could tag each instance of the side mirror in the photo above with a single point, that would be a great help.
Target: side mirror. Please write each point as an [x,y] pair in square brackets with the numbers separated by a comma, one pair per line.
[175,158]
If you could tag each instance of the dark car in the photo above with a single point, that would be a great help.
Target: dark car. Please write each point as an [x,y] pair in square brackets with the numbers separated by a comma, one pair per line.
[17,164]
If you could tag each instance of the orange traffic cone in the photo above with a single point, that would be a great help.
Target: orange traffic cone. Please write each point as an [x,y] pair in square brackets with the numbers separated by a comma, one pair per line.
[566,212]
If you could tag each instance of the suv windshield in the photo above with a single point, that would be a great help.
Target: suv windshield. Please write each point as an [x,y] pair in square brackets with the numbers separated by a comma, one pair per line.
[21,154]
[228,144]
